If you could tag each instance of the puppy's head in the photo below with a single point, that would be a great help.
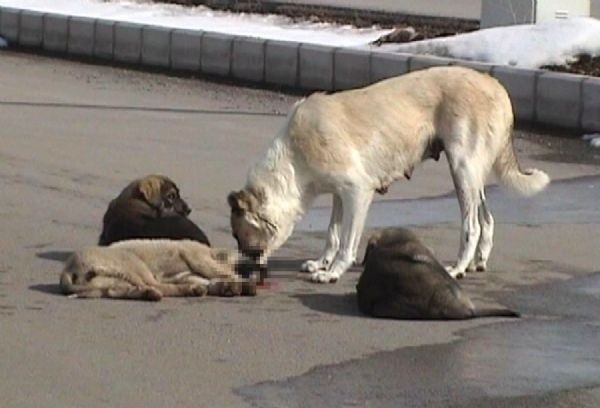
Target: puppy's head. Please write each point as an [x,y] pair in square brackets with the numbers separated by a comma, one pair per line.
[162,194]
[399,240]
[253,232]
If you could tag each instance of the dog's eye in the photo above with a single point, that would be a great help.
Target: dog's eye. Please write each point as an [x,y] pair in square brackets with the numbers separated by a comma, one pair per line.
[171,196]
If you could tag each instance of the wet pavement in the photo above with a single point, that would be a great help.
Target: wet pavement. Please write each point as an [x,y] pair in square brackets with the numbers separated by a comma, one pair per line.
[553,348]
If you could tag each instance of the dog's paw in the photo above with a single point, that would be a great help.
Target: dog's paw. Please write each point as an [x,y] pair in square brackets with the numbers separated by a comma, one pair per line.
[455,273]
[324,277]
[480,266]
[311,266]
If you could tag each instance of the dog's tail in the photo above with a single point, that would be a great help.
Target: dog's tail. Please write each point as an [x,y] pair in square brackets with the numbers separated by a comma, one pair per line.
[525,182]
[494,312]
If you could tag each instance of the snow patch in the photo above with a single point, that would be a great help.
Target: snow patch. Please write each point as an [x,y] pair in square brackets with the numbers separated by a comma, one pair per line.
[526,46]
[593,139]
[203,18]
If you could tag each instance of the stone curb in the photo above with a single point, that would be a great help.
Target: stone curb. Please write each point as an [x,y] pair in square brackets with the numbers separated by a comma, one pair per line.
[539,97]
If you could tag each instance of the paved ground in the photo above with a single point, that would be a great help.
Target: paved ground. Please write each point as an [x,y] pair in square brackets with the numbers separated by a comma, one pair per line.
[73,135]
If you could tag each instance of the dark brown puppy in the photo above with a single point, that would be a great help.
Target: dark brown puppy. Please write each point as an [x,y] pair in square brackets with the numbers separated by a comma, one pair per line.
[402,279]
[149,207]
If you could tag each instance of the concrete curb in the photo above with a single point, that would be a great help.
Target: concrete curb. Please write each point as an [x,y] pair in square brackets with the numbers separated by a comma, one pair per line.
[539,97]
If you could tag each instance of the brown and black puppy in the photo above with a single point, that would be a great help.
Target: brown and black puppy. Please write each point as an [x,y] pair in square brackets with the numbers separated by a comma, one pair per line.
[402,279]
[149,207]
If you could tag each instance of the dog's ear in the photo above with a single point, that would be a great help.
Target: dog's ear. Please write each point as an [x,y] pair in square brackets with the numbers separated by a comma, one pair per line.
[149,190]
[238,201]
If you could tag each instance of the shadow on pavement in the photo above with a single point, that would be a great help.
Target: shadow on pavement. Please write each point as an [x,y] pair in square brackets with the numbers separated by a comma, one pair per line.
[49,288]
[59,256]
[343,304]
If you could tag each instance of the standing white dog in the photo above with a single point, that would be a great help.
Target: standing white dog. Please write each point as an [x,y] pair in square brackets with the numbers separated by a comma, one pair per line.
[354,143]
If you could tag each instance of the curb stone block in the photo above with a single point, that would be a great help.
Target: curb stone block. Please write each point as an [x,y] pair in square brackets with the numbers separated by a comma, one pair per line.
[281,62]
[104,39]
[9,24]
[316,67]
[520,85]
[31,29]
[186,49]
[56,32]
[352,68]
[387,65]
[216,54]
[248,59]
[590,116]
[477,66]
[419,62]
[156,46]
[558,99]
[81,36]
[128,42]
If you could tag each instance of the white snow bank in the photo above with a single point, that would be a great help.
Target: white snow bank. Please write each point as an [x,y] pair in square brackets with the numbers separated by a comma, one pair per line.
[593,139]
[526,46]
[203,18]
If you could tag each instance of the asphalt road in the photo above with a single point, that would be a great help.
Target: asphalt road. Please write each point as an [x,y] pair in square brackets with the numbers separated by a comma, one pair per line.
[73,135]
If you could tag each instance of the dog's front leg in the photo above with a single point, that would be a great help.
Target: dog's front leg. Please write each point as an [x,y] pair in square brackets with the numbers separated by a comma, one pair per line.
[355,206]
[333,241]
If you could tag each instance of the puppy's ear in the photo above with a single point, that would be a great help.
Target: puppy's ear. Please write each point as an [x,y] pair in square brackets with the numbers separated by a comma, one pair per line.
[149,190]
[238,201]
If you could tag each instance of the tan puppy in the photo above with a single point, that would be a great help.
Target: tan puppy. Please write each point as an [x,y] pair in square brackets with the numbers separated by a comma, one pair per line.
[149,207]
[402,279]
[151,269]
[354,143]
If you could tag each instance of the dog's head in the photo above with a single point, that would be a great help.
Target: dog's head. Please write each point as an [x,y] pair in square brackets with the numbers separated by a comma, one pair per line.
[253,231]
[160,193]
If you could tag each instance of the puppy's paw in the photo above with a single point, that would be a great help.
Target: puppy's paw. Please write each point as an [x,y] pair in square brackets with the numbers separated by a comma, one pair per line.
[152,294]
[199,290]
[225,288]
[311,266]
[324,277]
[248,287]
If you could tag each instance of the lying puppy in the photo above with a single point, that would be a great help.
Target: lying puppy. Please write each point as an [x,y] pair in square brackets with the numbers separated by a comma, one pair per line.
[149,207]
[402,279]
[151,269]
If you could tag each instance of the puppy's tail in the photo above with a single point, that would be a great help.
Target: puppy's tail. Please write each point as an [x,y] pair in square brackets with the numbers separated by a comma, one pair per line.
[525,182]
[494,312]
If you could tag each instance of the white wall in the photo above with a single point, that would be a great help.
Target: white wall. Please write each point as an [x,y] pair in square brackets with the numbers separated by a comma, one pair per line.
[548,10]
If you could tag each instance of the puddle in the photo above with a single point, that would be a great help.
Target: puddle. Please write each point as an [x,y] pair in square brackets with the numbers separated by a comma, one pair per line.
[565,201]
[553,349]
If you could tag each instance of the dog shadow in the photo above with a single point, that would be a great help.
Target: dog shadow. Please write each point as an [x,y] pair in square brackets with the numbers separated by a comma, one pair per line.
[48,288]
[284,265]
[58,256]
[341,304]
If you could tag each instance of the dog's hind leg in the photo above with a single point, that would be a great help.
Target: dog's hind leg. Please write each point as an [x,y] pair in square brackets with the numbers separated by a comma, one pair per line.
[355,206]
[333,240]
[467,187]
[484,246]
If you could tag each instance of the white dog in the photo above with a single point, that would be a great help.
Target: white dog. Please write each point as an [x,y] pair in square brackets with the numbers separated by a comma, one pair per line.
[357,142]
